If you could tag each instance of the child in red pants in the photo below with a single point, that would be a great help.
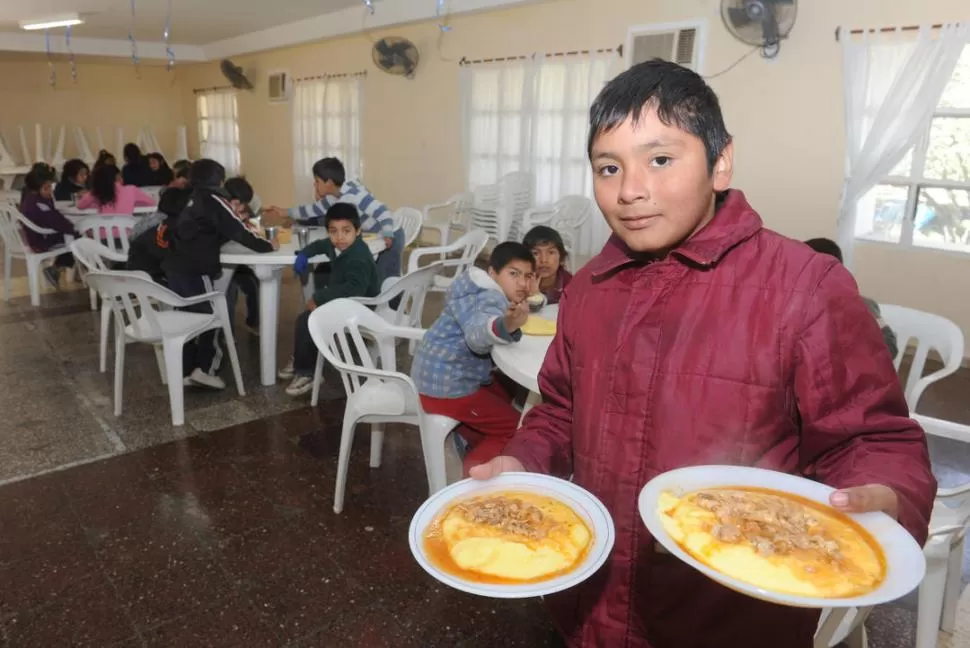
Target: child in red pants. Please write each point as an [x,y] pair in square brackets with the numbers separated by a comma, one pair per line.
[452,367]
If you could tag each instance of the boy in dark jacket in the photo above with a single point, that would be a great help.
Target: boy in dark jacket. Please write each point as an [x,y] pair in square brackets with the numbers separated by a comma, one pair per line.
[353,274]
[206,224]
[150,247]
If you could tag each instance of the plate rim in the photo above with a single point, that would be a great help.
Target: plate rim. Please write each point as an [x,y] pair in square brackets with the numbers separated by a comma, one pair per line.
[596,557]
[733,477]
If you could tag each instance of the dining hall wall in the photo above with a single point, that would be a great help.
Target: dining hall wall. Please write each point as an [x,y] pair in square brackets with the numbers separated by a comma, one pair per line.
[786,115]
[108,93]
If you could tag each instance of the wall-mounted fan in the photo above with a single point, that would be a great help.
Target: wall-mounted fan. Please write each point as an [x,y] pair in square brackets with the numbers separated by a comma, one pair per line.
[396,56]
[762,23]
[234,75]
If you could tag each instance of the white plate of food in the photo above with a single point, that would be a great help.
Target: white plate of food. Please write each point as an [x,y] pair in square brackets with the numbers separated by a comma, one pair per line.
[518,535]
[774,536]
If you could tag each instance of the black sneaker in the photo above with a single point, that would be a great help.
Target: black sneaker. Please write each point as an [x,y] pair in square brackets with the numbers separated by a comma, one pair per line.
[53,276]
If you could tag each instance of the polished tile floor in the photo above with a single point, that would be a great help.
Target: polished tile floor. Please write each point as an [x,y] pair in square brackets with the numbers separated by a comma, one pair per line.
[128,532]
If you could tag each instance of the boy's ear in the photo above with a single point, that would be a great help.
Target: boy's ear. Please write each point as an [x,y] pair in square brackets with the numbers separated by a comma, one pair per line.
[492,273]
[724,168]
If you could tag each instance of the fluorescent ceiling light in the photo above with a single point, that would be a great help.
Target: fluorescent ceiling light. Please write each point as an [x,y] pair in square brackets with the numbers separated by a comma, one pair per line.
[51,23]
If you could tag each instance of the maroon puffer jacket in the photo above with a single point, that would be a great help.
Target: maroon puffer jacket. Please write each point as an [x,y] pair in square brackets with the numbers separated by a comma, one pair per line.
[741,347]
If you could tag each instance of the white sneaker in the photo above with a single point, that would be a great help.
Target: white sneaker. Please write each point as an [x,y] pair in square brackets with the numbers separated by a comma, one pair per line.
[301,385]
[287,372]
[199,378]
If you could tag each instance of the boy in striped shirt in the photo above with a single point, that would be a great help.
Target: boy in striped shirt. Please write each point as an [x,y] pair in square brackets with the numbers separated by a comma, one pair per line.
[331,186]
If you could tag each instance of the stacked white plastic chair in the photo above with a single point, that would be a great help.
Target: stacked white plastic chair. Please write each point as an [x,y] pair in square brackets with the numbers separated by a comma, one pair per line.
[408,219]
[454,213]
[136,302]
[12,224]
[375,395]
[567,216]
[498,209]
[467,249]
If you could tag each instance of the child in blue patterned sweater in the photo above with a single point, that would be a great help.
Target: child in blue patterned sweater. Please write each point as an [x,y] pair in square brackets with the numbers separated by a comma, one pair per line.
[452,367]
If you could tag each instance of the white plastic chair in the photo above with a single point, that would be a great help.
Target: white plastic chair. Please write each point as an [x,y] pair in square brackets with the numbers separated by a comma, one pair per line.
[15,247]
[111,229]
[838,625]
[408,219]
[375,396]
[944,549]
[412,290]
[930,331]
[134,298]
[468,247]
[458,211]
[93,257]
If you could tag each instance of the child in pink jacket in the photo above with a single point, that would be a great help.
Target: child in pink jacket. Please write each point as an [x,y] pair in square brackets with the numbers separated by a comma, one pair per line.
[109,196]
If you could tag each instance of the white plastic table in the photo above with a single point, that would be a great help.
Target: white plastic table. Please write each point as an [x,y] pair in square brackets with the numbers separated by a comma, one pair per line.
[522,360]
[76,215]
[268,268]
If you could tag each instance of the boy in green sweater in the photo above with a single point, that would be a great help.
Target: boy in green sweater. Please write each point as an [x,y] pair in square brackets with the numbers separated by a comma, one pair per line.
[353,274]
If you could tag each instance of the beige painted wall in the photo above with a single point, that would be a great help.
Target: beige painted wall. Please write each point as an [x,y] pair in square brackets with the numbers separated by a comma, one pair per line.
[107,94]
[786,116]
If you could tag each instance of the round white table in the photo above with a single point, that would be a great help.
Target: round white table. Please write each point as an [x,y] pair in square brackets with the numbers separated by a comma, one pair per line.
[76,215]
[522,360]
[268,268]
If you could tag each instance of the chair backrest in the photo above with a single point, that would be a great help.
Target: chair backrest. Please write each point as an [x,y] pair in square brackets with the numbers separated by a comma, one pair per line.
[133,297]
[338,329]
[115,230]
[930,332]
[472,245]
[10,230]
[412,289]
[93,255]
[408,219]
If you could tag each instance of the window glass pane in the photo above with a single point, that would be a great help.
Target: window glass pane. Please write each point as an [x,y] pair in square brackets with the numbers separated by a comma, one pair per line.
[943,219]
[880,213]
[948,156]
[957,92]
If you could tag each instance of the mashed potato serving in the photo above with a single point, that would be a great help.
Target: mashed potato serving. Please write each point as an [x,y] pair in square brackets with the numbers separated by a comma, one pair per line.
[775,541]
[508,537]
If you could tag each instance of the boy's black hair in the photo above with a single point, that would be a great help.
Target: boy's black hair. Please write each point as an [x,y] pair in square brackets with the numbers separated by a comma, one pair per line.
[71,169]
[174,200]
[36,179]
[181,169]
[825,246]
[132,153]
[343,212]
[545,235]
[207,174]
[507,252]
[680,96]
[330,169]
[239,189]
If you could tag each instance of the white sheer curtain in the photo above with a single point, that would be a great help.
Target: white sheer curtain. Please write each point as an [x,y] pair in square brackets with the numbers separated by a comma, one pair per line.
[326,123]
[219,128]
[891,84]
[532,115]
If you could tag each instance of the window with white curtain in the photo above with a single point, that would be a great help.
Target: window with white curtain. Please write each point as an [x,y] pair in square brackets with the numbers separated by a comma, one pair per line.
[925,199]
[532,115]
[326,123]
[219,128]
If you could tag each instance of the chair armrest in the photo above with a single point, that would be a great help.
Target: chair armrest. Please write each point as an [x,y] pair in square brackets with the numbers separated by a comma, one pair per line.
[25,222]
[949,493]
[926,381]
[169,298]
[406,332]
[419,253]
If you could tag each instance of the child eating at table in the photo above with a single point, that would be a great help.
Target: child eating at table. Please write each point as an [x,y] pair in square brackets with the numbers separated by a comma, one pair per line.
[109,196]
[697,336]
[241,194]
[37,206]
[204,226]
[353,274]
[550,254]
[452,368]
[74,180]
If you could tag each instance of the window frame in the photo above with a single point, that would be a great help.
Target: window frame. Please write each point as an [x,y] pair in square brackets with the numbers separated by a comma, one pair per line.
[916,182]
[203,125]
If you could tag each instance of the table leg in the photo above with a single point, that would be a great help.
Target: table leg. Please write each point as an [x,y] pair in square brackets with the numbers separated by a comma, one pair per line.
[531,401]
[269,307]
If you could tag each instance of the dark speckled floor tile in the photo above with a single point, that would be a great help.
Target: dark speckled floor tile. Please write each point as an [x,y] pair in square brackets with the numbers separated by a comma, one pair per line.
[228,623]
[91,615]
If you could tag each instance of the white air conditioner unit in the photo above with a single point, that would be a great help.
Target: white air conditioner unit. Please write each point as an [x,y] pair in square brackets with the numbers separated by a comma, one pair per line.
[681,43]
[279,86]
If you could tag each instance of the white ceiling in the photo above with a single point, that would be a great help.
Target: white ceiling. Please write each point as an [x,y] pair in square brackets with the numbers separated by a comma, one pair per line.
[194,22]
[212,29]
